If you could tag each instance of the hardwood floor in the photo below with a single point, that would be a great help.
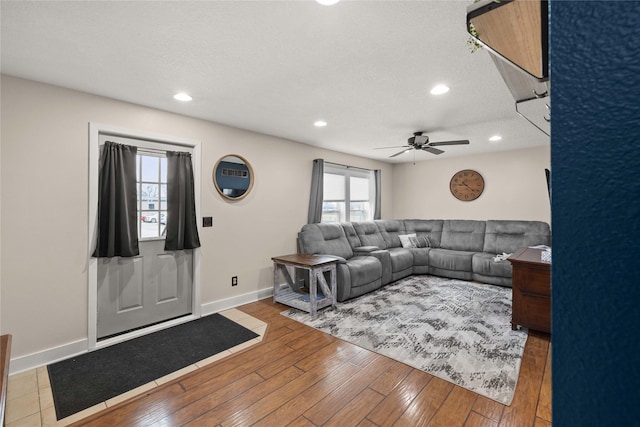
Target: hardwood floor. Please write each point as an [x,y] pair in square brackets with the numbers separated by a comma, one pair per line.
[299,376]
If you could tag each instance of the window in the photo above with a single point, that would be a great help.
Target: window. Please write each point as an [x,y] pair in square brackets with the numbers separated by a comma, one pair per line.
[349,194]
[151,181]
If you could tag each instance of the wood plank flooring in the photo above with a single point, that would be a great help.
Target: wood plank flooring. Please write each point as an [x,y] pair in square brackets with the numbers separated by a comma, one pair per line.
[299,376]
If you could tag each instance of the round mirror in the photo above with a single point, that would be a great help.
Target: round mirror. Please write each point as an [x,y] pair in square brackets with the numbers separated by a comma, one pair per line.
[233,177]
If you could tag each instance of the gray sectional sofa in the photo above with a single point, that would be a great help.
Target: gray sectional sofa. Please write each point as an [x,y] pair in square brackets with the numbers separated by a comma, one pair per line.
[371,254]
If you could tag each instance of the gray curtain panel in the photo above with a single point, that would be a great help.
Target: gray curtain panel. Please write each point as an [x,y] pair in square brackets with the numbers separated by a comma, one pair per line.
[117,233]
[182,229]
[317,192]
[377,211]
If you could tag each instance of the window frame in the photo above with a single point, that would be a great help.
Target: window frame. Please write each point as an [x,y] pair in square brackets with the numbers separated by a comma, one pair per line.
[348,172]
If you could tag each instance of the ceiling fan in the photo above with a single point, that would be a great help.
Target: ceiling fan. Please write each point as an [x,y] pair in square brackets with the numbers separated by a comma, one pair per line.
[420,141]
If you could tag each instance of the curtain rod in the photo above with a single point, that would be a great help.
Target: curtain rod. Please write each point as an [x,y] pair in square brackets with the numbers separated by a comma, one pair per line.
[146,150]
[151,151]
[348,167]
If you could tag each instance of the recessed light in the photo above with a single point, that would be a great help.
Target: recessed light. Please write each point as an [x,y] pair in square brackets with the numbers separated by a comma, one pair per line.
[327,2]
[439,89]
[320,123]
[182,97]
[495,138]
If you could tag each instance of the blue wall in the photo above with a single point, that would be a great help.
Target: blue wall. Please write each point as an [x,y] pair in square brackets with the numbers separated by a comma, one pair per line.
[595,160]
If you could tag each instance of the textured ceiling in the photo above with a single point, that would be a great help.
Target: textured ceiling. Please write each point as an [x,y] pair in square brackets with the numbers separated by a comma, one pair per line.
[275,67]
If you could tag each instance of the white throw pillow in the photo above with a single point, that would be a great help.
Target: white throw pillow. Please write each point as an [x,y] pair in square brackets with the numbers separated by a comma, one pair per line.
[406,240]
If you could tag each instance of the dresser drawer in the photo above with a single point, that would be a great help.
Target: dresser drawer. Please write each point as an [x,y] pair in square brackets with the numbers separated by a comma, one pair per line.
[532,281]
[533,312]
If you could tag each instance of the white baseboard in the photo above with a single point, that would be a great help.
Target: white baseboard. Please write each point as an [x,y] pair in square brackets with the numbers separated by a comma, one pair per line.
[225,304]
[46,357]
[54,354]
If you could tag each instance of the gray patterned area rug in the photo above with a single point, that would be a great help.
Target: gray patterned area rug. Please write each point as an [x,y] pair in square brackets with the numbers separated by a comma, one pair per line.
[455,330]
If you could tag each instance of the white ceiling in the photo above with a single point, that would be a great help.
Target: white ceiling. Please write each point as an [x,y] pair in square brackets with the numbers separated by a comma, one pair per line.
[275,67]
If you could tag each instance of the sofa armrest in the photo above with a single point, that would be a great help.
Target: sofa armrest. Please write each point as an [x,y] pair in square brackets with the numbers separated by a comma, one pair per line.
[385,258]
[365,250]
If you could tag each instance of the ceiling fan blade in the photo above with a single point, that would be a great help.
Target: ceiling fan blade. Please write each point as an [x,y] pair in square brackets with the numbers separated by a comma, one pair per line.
[401,152]
[432,150]
[394,146]
[459,142]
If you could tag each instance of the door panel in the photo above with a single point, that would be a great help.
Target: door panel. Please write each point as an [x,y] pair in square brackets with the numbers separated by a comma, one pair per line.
[143,290]
[167,278]
[129,283]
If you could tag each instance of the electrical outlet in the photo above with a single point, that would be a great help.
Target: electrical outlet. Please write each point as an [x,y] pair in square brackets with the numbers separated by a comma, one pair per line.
[234,281]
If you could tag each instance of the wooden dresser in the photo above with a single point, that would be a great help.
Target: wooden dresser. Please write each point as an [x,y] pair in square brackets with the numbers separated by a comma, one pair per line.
[531,283]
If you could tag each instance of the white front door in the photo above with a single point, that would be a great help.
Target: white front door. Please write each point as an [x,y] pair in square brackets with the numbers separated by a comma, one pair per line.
[157,285]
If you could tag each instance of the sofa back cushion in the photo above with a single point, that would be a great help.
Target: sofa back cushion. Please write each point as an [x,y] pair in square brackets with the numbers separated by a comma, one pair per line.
[369,234]
[324,239]
[463,235]
[429,228]
[509,236]
[390,229]
[351,234]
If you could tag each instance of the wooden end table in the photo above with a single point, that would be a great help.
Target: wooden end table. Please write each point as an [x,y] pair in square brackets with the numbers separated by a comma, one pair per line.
[531,287]
[316,265]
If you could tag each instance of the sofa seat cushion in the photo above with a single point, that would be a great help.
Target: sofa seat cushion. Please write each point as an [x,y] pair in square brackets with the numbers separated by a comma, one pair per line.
[446,259]
[401,259]
[363,270]
[483,264]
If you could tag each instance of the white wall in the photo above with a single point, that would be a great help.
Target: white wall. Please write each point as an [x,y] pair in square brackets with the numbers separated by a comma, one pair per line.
[515,187]
[44,204]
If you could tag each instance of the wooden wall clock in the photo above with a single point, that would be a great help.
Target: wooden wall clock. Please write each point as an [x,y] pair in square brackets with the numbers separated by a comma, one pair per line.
[466,185]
